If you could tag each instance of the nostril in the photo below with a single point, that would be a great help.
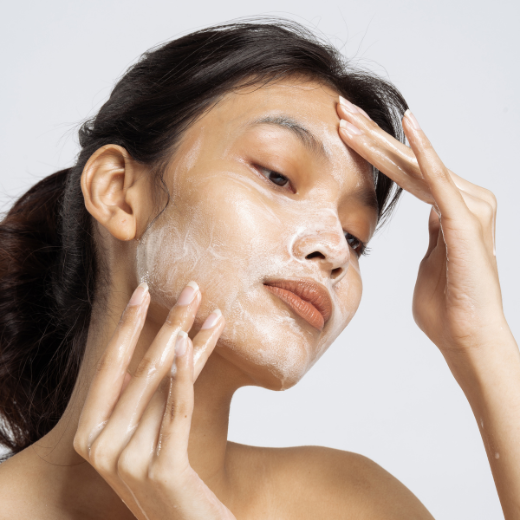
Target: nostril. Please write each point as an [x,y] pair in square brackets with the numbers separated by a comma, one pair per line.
[316,254]
[336,272]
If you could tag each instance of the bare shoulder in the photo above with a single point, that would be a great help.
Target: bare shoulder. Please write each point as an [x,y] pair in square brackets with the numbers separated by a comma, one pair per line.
[318,482]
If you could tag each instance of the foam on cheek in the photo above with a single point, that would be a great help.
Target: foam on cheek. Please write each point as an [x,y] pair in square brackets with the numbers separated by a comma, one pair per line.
[230,252]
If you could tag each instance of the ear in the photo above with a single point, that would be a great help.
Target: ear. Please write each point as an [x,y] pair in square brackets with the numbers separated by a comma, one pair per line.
[109,184]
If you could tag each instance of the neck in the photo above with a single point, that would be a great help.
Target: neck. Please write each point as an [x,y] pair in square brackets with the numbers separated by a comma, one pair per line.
[71,476]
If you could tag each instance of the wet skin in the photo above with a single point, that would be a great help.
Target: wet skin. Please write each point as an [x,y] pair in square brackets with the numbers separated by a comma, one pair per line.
[226,213]
[231,228]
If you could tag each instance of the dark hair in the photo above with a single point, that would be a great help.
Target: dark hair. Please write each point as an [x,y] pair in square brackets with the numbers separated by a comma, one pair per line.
[48,263]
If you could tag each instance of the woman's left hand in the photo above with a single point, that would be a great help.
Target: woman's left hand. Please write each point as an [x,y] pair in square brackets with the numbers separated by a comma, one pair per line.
[457,300]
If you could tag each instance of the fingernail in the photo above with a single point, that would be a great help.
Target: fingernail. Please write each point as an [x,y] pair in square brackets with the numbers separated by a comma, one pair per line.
[411,118]
[212,319]
[139,294]
[181,344]
[349,127]
[350,107]
[188,294]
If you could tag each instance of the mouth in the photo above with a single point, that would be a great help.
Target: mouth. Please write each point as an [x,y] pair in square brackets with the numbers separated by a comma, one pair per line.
[307,298]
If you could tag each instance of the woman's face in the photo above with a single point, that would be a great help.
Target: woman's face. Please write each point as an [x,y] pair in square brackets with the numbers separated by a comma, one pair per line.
[235,224]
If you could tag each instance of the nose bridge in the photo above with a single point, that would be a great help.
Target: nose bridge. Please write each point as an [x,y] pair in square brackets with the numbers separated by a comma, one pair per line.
[321,238]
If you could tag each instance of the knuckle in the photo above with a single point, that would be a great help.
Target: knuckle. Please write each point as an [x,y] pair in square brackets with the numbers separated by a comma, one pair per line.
[181,409]
[158,476]
[145,367]
[129,315]
[170,412]
[104,364]
[182,472]
[79,445]
[179,316]
[127,468]
[175,320]
[491,199]
[439,172]
[485,211]
[100,457]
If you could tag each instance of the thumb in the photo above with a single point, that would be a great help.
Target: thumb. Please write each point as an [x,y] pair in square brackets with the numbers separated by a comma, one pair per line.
[434,228]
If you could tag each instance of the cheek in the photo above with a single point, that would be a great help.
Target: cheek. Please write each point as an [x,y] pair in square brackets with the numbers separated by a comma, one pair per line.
[346,297]
[229,236]
[212,234]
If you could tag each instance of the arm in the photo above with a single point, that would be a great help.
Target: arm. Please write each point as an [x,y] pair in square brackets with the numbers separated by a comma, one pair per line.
[457,298]
[490,378]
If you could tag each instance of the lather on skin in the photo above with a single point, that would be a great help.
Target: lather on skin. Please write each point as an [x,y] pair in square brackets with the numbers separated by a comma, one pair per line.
[157,446]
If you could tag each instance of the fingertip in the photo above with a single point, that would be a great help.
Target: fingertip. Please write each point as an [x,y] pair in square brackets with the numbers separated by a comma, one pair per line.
[410,118]
[139,295]
[348,128]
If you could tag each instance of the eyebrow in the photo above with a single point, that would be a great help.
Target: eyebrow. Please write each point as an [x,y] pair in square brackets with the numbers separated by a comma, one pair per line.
[306,137]
[365,195]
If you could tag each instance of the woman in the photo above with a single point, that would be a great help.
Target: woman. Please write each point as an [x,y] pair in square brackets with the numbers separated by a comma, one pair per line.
[229,179]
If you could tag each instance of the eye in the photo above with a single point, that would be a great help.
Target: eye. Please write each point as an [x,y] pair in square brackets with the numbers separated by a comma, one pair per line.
[274,177]
[356,244]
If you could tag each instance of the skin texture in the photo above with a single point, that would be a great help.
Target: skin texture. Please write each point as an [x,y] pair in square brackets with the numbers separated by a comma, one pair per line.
[224,211]
[135,442]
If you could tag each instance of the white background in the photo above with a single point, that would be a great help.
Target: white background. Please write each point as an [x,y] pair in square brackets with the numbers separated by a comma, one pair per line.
[383,389]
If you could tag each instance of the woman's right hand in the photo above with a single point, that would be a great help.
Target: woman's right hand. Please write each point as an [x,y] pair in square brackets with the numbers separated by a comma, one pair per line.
[134,436]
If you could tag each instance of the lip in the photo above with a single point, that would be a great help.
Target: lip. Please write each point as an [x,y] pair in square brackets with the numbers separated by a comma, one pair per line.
[309,299]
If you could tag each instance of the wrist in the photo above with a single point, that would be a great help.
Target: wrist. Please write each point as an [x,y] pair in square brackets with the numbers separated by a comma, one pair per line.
[488,359]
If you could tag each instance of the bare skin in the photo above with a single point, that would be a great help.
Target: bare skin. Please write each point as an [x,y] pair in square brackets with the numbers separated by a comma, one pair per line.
[135,442]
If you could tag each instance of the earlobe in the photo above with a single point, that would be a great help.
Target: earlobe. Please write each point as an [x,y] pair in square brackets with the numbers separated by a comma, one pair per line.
[106,183]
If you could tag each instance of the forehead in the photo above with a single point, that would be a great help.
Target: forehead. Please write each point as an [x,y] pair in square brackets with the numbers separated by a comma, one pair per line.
[311,104]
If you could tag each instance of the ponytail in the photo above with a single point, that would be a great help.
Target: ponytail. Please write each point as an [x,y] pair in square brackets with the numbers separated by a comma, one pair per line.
[45,307]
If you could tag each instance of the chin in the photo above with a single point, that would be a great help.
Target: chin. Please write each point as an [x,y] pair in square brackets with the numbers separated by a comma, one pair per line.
[273,352]
[268,376]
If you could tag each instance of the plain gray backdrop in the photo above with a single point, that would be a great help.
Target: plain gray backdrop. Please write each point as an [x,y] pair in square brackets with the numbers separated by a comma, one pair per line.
[382,389]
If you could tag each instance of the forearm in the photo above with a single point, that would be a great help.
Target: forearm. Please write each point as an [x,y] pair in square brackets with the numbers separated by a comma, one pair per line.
[490,378]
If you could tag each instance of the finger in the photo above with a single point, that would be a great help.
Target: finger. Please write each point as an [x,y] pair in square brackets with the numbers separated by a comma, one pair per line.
[154,366]
[485,215]
[126,380]
[205,340]
[134,461]
[390,156]
[446,195]
[473,189]
[107,383]
[175,429]
[382,150]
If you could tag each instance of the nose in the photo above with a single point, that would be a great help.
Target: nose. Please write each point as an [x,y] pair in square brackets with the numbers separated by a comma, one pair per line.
[325,245]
